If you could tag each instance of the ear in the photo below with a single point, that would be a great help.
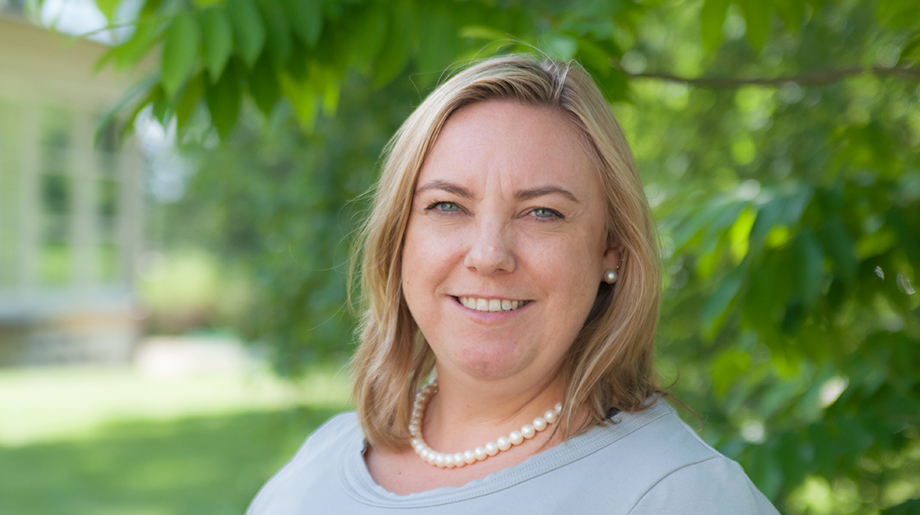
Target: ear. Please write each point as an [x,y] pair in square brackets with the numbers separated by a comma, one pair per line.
[612,257]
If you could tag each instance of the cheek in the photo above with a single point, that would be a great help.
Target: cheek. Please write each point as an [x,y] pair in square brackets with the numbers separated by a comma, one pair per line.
[427,258]
[570,271]
[578,258]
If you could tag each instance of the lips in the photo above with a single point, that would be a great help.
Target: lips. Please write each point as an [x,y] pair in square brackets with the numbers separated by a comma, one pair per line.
[491,305]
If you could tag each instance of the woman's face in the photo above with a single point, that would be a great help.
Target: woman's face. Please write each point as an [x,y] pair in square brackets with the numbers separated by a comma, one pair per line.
[506,244]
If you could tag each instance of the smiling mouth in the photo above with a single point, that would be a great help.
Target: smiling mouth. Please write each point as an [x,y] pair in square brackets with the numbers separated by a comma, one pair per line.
[491,305]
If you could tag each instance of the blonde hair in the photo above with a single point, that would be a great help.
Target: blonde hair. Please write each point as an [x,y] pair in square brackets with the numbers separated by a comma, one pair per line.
[610,363]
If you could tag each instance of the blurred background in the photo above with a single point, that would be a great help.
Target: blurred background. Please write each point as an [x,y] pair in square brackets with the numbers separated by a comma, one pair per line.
[180,181]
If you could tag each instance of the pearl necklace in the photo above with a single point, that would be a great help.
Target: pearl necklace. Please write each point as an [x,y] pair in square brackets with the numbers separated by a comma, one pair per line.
[468,457]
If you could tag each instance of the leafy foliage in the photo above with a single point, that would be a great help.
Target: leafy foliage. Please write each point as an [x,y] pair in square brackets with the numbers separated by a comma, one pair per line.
[300,52]
[787,191]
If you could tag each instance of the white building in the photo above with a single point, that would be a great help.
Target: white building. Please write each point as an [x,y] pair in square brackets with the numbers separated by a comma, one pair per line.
[70,211]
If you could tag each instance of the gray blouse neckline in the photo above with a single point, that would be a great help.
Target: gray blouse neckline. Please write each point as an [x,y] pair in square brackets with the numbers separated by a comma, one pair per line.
[358,483]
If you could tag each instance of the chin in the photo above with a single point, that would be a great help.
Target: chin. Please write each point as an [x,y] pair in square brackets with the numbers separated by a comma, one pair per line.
[492,363]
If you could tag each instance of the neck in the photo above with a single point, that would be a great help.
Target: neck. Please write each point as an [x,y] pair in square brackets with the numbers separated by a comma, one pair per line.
[468,412]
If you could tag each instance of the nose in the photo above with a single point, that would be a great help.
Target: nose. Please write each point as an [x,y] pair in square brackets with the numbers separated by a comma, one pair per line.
[490,250]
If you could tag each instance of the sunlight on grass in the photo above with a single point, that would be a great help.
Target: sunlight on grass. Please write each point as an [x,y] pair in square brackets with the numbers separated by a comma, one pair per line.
[98,441]
[50,403]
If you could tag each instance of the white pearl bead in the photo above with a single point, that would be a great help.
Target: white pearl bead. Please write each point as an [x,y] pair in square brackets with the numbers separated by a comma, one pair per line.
[528,431]
[468,457]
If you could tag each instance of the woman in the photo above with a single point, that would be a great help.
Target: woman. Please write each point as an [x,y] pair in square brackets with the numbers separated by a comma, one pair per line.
[511,258]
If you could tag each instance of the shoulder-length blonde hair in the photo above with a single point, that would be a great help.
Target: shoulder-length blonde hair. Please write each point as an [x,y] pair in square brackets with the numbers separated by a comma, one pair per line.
[610,363]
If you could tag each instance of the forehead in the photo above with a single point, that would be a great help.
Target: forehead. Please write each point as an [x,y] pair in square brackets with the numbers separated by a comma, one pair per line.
[513,142]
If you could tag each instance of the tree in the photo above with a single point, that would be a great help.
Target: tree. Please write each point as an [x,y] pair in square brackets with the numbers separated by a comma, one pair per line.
[779,140]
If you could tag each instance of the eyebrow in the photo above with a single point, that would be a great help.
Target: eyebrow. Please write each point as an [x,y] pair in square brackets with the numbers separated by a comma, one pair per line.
[449,187]
[546,190]
[519,195]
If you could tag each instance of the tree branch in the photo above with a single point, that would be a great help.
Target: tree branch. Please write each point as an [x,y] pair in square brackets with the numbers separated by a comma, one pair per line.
[804,79]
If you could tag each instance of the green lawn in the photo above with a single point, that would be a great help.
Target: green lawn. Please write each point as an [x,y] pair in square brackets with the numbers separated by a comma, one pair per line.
[101,441]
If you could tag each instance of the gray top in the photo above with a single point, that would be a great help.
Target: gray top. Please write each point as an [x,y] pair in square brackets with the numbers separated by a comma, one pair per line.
[648,462]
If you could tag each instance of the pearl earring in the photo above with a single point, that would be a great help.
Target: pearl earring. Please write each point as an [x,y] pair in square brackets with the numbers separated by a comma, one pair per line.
[610,276]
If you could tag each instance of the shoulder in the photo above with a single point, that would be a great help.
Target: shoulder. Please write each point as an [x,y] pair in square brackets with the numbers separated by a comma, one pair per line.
[338,428]
[716,486]
[680,472]
[320,447]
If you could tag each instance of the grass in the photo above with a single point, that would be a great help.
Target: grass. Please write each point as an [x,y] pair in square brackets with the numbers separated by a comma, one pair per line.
[97,441]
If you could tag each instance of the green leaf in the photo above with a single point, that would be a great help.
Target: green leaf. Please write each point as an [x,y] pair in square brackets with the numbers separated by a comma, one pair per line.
[786,210]
[559,46]
[137,91]
[437,36]
[717,230]
[482,32]
[160,105]
[907,235]
[699,219]
[331,92]
[712,17]
[108,7]
[306,19]
[809,271]
[248,29]
[901,14]
[223,99]
[911,51]
[147,33]
[302,98]
[757,19]
[908,507]
[716,307]
[150,8]
[217,36]
[279,32]
[791,11]
[395,51]
[190,99]
[595,58]
[368,32]
[727,368]
[180,53]
[790,454]
[263,85]
[764,471]
[840,248]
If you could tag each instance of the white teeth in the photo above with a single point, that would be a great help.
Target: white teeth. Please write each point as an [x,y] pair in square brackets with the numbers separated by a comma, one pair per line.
[491,305]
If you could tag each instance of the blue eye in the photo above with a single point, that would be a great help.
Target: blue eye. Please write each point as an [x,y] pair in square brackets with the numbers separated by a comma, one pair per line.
[444,207]
[544,213]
